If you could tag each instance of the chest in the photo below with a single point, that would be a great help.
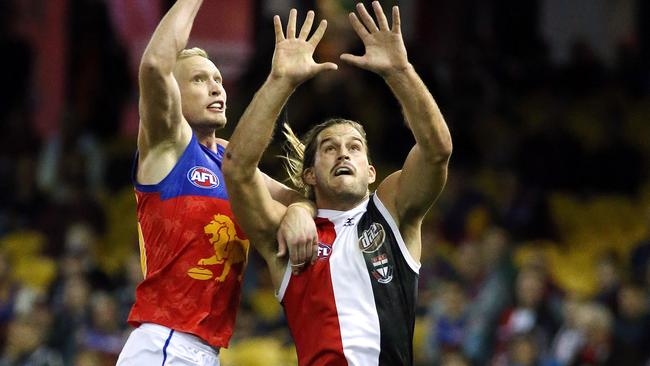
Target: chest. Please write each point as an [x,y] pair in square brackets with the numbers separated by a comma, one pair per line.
[355,246]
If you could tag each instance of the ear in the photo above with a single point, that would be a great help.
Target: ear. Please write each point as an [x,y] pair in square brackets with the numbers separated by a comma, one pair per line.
[372,174]
[309,177]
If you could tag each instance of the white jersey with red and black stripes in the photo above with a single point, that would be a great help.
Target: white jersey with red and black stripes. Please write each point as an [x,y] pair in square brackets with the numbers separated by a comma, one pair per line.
[356,304]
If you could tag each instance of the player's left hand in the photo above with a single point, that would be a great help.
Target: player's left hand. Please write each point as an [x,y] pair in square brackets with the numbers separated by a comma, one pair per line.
[385,50]
[298,234]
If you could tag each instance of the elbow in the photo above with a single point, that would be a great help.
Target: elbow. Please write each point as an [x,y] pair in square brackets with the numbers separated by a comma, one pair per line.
[441,158]
[149,63]
[152,65]
[445,149]
[439,150]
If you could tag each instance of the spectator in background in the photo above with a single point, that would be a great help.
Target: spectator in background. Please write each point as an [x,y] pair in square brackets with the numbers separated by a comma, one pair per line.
[78,261]
[491,296]
[529,314]
[449,320]
[131,276]
[632,326]
[470,267]
[524,350]
[26,344]
[639,258]
[570,338]
[102,333]
[596,323]
[87,358]
[71,165]
[608,275]
[454,359]
[71,316]
[9,289]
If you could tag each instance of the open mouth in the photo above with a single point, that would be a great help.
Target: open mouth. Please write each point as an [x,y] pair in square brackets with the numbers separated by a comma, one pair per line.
[342,170]
[218,105]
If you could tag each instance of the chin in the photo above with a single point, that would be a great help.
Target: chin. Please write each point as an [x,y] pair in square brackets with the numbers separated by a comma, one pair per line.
[221,120]
[221,123]
[216,123]
[351,195]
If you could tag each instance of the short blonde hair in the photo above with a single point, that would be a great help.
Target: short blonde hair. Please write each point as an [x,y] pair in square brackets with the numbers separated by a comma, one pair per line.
[189,52]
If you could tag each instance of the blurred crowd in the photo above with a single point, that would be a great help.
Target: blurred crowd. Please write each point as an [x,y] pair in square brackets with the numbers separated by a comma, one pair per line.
[536,253]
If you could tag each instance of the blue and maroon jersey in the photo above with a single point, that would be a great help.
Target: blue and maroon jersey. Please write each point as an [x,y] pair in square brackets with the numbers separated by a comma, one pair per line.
[193,255]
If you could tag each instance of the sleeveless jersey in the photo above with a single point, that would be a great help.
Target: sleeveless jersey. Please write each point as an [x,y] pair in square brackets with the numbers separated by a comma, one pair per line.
[193,254]
[356,304]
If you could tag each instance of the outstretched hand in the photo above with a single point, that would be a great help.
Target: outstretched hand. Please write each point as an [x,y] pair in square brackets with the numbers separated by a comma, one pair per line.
[293,58]
[385,50]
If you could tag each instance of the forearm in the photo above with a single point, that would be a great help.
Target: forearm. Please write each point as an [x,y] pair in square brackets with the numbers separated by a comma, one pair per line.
[172,34]
[288,196]
[255,128]
[421,112]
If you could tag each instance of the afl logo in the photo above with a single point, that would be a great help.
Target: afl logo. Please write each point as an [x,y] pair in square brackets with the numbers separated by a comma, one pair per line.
[324,251]
[203,177]
[372,238]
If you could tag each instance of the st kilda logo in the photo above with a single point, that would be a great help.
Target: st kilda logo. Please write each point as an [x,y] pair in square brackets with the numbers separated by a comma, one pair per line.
[372,238]
[382,270]
[203,177]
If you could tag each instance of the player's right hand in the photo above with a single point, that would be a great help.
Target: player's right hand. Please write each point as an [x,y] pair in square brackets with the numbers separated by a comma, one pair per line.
[293,58]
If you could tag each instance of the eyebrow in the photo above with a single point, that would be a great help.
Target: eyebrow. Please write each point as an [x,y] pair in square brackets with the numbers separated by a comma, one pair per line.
[355,138]
[199,72]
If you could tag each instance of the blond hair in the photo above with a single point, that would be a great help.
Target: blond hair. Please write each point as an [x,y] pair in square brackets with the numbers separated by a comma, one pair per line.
[189,52]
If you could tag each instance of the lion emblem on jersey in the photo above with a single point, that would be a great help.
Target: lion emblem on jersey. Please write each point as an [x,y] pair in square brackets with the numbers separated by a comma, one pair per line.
[229,249]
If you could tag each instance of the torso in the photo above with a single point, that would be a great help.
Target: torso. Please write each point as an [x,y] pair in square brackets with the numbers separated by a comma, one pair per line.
[193,254]
[356,304]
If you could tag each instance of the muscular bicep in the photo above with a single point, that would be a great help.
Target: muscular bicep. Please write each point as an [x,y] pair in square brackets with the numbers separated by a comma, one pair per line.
[161,117]
[410,192]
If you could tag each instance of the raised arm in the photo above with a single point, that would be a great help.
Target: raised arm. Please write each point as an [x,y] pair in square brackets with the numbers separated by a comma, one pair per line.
[161,118]
[409,193]
[258,214]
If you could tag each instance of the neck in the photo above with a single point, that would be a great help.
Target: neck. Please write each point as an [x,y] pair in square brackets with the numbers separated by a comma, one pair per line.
[207,137]
[340,202]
